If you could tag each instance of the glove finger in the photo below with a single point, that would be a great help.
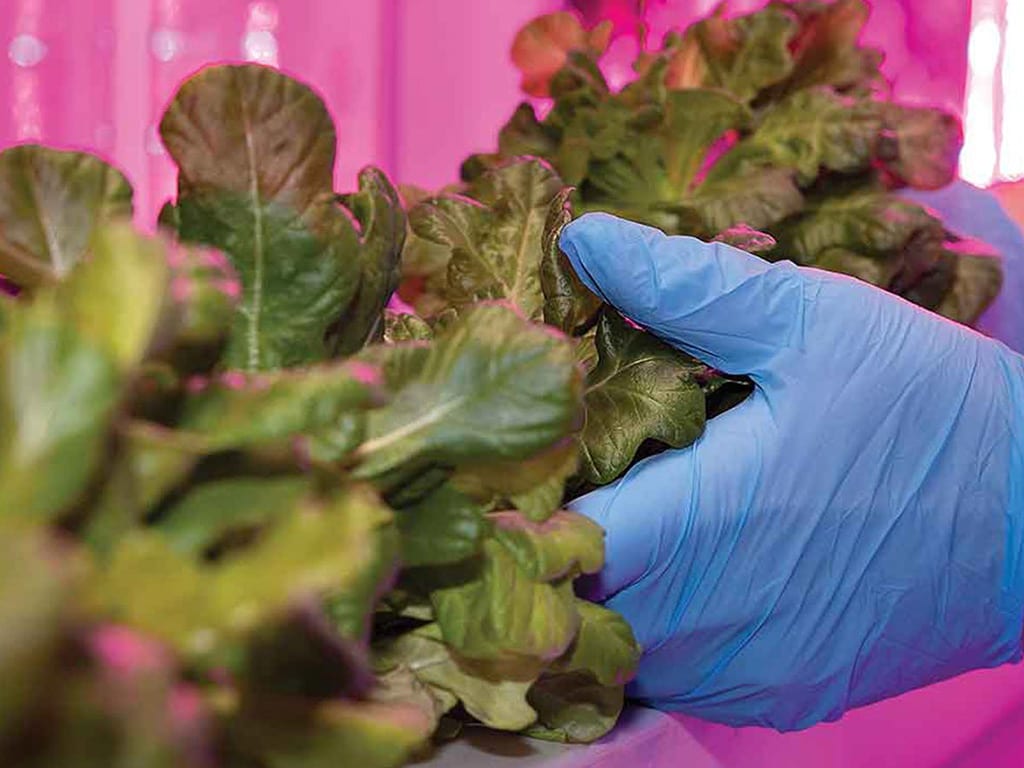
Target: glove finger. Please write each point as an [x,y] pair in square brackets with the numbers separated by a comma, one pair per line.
[655,512]
[727,307]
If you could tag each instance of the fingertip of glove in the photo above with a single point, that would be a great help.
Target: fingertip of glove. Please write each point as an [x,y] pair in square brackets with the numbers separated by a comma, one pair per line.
[617,259]
[595,234]
[589,236]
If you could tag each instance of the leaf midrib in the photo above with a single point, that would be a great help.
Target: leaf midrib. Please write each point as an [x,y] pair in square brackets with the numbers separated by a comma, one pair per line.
[621,369]
[431,417]
[52,246]
[521,270]
[254,315]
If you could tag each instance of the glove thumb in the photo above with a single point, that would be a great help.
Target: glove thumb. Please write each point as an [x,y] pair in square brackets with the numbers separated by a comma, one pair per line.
[718,303]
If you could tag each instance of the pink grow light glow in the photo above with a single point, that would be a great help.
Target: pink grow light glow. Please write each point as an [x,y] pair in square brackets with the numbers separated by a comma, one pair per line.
[1011,148]
[994,113]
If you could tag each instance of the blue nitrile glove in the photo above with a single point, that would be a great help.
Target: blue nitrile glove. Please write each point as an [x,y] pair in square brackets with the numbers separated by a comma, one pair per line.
[853,530]
[973,212]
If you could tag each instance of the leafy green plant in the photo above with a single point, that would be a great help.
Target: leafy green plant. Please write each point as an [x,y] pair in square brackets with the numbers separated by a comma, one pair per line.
[253,517]
[257,518]
[777,121]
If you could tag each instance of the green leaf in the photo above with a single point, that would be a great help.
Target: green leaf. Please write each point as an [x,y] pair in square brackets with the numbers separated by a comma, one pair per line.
[605,646]
[58,392]
[118,297]
[539,502]
[149,462]
[595,132]
[312,551]
[574,707]
[566,544]
[923,270]
[726,126]
[214,510]
[351,608]
[297,274]
[568,305]
[492,387]
[641,389]
[870,269]
[318,548]
[239,411]
[632,180]
[251,130]
[335,733]
[742,55]
[524,135]
[534,486]
[495,235]
[404,327]
[400,362]
[922,146]
[378,209]
[401,685]
[586,351]
[152,588]
[51,202]
[757,199]
[504,613]
[443,527]
[493,693]
[977,282]
[826,49]
[694,120]
[864,222]
[255,152]
[811,130]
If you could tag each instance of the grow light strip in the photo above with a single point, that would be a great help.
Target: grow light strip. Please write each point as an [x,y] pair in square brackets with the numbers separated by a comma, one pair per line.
[978,158]
[1011,148]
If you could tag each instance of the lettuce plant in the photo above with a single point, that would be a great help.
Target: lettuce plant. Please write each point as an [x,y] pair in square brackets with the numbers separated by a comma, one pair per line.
[252,517]
[777,121]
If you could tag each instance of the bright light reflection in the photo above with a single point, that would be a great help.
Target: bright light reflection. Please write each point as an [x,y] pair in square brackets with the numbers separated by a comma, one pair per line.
[983,46]
[1011,150]
[978,157]
[260,42]
[26,50]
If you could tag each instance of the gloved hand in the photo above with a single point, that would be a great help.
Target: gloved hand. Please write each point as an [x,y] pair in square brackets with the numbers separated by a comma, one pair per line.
[853,530]
[977,213]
